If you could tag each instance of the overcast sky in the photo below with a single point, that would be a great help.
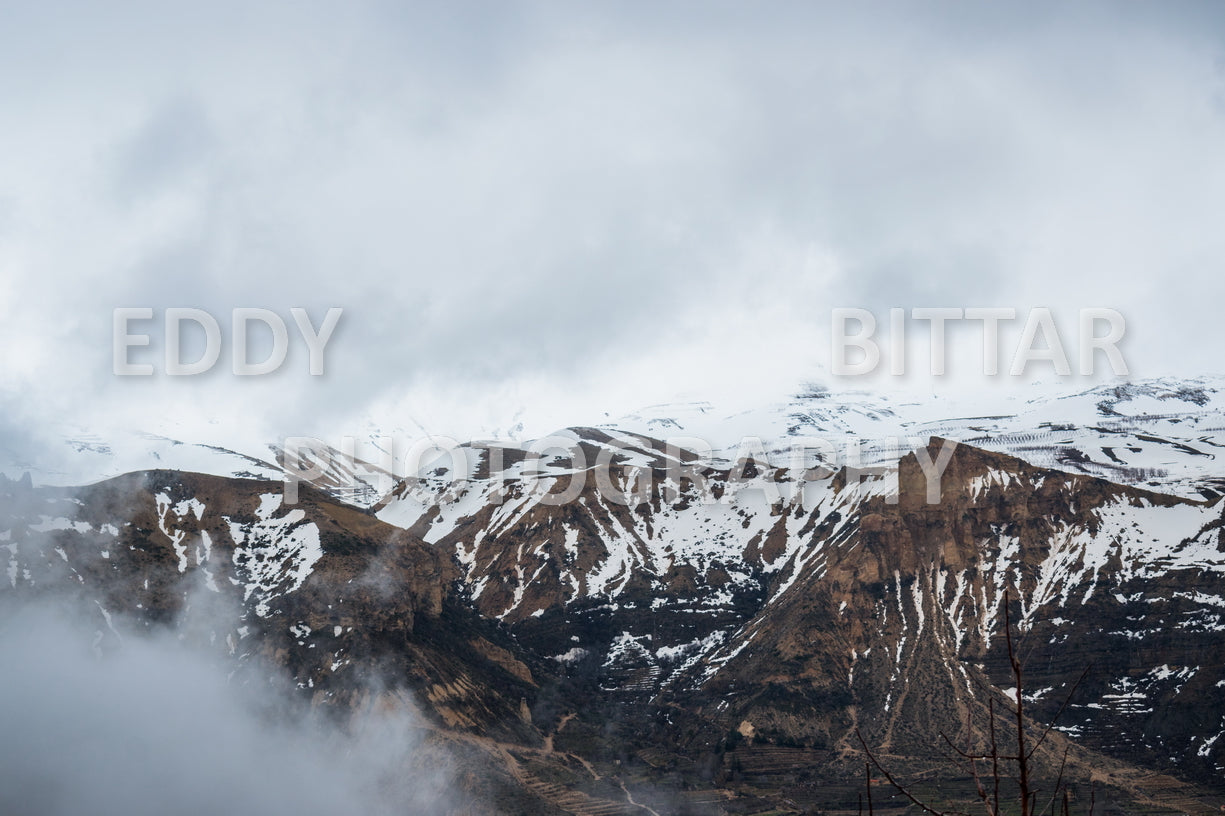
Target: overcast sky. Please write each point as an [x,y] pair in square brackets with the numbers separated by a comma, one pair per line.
[583,210]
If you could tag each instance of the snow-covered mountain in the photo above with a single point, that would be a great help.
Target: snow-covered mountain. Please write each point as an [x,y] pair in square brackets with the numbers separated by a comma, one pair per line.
[678,598]
[1163,433]
[77,455]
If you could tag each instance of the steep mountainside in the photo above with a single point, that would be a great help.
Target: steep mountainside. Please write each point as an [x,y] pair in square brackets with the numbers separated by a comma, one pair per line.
[803,613]
[339,599]
[613,622]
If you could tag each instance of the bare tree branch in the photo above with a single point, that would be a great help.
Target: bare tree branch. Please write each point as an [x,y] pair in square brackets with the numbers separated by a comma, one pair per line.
[1022,756]
[888,776]
[1063,706]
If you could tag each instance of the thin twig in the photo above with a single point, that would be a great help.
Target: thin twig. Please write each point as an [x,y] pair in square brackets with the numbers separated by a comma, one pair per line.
[1058,713]
[888,776]
[867,775]
[995,752]
[1059,781]
[1022,756]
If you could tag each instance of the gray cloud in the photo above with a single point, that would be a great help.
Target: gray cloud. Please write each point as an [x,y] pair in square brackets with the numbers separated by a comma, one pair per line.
[175,140]
[507,198]
[154,724]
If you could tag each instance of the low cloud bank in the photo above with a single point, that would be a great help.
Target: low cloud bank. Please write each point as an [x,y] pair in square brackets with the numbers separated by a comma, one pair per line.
[120,721]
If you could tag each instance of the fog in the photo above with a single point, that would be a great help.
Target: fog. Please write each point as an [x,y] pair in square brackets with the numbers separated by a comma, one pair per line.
[128,721]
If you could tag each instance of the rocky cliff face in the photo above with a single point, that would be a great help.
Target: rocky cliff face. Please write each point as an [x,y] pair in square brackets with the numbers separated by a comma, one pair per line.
[856,602]
[896,627]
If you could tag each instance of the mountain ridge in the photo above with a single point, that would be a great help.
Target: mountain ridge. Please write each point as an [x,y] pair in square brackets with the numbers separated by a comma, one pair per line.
[683,622]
